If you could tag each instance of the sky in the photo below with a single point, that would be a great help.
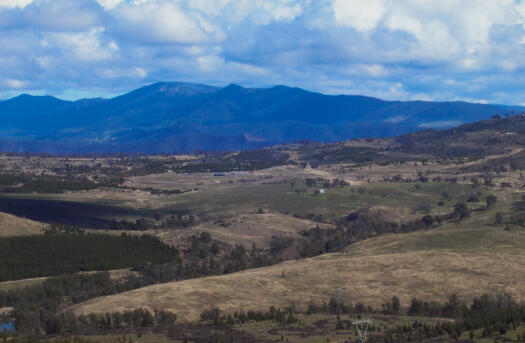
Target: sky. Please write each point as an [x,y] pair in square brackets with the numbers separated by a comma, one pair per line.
[472,50]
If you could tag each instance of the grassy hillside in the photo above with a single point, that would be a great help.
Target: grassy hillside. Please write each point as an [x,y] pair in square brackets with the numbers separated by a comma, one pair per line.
[247,229]
[461,259]
[15,226]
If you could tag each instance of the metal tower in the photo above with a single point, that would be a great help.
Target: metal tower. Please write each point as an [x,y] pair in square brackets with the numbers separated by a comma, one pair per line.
[362,329]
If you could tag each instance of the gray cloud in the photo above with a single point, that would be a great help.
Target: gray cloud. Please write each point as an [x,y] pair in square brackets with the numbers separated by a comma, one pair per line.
[384,48]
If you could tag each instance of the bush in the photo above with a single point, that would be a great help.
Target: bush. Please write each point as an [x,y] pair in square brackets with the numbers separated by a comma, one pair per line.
[498,218]
[491,200]
[461,211]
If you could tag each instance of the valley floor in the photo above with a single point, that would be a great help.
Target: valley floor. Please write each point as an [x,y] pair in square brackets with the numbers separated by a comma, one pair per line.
[401,225]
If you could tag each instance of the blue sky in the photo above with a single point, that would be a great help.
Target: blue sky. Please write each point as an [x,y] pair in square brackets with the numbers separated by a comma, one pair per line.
[393,49]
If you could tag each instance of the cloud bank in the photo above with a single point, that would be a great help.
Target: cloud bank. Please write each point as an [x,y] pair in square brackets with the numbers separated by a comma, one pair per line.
[411,49]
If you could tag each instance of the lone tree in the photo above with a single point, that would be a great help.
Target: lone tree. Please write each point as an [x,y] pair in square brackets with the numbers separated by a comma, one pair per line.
[428,220]
[396,304]
[491,200]
[461,210]
[392,307]
[498,218]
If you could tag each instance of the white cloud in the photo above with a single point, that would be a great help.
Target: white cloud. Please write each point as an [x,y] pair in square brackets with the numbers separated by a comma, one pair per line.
[58,15]
[248,70]
[84,46]
[110,4]
[410,49]
[15,3]
[508,65]
[447,30]
[113,46]
[362,15]
[119,73]
[15,83]
[375,70]
[261,12]
[281,10]
[432,35]
[210,63]
[164,22]
[140,72]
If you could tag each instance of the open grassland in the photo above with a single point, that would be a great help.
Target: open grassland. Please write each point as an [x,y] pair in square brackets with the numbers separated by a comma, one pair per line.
[299,198]
[477,240]
[11,225]
[246,229]
[96,208]
[211,180]
[335,202]
[430,265]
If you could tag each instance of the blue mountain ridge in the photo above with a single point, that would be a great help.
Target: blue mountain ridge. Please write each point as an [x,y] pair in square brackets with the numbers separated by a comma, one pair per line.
[185,117]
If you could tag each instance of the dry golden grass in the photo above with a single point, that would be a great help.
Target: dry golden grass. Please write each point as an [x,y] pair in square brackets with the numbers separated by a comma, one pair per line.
[15,226]
[247,229]
[420,264]
[213,180]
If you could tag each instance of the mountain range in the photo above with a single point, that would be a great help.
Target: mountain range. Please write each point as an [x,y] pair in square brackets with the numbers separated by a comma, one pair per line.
[180,117]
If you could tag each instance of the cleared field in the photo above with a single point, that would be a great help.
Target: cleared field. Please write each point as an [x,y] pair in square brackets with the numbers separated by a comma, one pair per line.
[403,198]
[11,225]
[428,265]
[96,208]
[247,229]
[213,180]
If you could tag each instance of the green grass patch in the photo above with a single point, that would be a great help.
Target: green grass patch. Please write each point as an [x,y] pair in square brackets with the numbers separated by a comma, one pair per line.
[335,202]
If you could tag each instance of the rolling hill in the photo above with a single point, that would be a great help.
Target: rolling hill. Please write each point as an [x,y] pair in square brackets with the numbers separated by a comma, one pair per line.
[430,265]
[15,226]
[466,258]
[184,117]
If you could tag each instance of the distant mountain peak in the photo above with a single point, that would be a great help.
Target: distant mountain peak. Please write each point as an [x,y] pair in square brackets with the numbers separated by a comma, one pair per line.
[233,86]
[25,97]
[184,117]
[27,100]
[184,88]
[283,87]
